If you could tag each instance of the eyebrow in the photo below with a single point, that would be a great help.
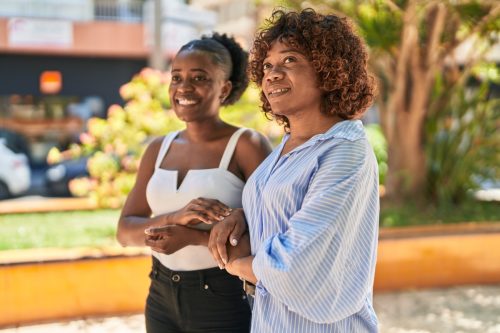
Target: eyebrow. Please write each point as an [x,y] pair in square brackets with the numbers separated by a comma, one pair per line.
[191,70]
[287,51]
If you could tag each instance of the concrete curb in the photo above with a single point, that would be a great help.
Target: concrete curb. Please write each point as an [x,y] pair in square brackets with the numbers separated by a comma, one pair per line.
[53,284]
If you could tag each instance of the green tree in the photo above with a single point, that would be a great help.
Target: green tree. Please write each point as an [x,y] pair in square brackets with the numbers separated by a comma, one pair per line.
[416,49]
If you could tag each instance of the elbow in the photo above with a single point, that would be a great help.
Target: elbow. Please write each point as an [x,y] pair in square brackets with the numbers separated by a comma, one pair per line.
[120,239]
[122,236]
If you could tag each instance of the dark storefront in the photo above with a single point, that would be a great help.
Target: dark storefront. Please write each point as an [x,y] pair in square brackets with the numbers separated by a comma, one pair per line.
[89,86]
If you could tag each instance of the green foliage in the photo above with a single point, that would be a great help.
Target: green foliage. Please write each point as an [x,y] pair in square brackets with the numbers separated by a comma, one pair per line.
[58,229]
[379,144]
[377,23]
[411,213]
[463,140]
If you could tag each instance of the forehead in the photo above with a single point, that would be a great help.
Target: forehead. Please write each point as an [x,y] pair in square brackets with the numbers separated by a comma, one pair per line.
[193,59]
[281,46]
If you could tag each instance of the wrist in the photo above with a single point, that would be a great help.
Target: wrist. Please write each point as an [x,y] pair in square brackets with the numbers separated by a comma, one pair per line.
[201,238]
[169,219]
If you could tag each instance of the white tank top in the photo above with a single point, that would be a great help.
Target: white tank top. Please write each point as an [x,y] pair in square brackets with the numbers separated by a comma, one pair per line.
[163,196]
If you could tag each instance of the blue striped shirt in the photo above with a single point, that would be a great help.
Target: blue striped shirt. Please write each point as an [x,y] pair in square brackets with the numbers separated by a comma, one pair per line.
[313,221]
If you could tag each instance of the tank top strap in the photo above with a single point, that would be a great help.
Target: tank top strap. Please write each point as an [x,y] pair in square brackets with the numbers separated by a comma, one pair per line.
[167,140]
[231,145]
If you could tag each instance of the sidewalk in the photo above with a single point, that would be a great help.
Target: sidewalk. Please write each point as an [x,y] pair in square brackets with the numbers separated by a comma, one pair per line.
[472,309]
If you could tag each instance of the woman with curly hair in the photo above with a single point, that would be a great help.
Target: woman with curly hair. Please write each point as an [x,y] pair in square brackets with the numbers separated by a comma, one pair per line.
[187,181]
[312,206]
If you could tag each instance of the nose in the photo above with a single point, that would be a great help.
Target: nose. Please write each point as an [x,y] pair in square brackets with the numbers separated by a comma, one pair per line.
[274,74]
[185,85]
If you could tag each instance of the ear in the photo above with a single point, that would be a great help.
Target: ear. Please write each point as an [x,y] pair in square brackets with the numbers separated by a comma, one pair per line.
[226,90]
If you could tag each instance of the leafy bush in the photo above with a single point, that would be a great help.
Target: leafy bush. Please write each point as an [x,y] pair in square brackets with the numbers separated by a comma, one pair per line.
[464,140]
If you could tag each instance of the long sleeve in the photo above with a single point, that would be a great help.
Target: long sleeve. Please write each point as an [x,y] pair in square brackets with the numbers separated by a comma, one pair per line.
[321,266]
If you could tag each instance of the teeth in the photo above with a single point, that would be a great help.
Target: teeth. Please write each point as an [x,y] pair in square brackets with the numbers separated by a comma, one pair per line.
[183,101]
[277,91]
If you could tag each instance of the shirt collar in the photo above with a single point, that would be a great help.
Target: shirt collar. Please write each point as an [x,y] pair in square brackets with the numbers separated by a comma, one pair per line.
[347,129]
[351,130]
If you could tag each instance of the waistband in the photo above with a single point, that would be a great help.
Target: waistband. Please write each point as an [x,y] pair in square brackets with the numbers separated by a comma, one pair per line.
[159,270]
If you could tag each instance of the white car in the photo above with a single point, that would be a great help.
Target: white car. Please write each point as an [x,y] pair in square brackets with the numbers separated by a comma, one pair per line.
[14,172]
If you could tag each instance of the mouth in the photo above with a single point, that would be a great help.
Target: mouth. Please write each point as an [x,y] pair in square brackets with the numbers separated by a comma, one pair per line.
[277,92]
[183,101]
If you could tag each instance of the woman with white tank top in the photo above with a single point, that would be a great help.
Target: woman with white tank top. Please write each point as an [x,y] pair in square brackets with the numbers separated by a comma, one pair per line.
[188,181]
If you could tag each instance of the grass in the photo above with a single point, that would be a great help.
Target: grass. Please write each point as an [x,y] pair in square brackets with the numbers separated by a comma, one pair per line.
[58,229]
[97,228]
[413,214]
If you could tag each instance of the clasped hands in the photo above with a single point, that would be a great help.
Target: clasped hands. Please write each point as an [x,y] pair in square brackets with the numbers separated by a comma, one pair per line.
[228,226]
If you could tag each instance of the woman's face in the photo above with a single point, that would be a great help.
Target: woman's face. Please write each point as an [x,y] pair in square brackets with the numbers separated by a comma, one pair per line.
[198,86]
[290,82]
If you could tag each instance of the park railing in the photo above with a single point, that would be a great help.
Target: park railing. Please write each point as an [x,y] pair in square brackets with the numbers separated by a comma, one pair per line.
[74,10]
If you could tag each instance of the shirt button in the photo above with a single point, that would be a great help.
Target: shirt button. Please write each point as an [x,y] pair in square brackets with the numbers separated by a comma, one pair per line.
[176,278]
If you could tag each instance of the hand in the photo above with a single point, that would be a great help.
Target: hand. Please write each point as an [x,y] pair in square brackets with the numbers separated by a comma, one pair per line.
[199,210]
[170,238]
[231,228]
[242,267]
[241,250]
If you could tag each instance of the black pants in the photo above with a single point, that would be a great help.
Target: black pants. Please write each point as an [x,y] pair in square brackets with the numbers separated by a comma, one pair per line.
[209,300]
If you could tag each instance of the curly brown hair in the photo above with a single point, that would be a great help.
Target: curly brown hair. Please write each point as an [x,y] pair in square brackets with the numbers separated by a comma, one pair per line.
[337,54]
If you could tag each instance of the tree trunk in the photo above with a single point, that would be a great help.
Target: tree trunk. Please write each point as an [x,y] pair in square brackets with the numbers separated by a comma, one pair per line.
[407,170]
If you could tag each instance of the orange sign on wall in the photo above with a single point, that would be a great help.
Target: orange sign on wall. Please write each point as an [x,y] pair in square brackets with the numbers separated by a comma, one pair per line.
[50,82]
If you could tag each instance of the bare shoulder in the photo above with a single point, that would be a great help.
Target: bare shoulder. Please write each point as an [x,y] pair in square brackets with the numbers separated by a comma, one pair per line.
[252,141]
[251,150]
[154,145]
[148,159]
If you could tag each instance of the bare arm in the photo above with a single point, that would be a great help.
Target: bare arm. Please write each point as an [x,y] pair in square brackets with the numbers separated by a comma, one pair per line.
[136,213]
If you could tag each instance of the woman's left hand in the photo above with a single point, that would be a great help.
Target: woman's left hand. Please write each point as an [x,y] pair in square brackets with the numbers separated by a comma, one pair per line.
[170,238]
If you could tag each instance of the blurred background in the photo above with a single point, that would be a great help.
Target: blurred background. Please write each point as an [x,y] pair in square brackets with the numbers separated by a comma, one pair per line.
[83,88]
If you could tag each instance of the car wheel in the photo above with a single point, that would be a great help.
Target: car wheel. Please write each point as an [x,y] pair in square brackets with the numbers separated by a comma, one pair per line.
[4,191]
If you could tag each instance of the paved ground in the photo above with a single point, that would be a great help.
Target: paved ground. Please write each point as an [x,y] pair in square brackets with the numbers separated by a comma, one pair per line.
[474,309]
[455,310]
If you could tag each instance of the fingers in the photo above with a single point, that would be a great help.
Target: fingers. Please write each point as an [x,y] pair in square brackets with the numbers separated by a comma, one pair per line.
[212,246]
[221,242]
[155,231]
[213,209]
[238,231]
[153,243]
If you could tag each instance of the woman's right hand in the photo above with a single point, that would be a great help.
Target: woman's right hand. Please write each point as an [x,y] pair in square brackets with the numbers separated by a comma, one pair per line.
[199,210]
[229,230]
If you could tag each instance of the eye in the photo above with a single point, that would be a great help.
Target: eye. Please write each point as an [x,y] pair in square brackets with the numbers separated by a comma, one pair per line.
[289,59]
[266,66]
[176,78]
[200,78]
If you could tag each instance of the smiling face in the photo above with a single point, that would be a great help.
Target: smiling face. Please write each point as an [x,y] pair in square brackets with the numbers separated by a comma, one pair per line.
[290,82]
[198,86]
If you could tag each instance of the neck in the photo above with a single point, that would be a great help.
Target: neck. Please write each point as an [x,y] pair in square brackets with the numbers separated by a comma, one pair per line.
[204,130]
[304,128]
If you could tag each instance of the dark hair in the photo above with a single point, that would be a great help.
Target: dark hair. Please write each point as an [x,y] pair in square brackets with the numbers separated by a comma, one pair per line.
[227,54]
[337,54]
